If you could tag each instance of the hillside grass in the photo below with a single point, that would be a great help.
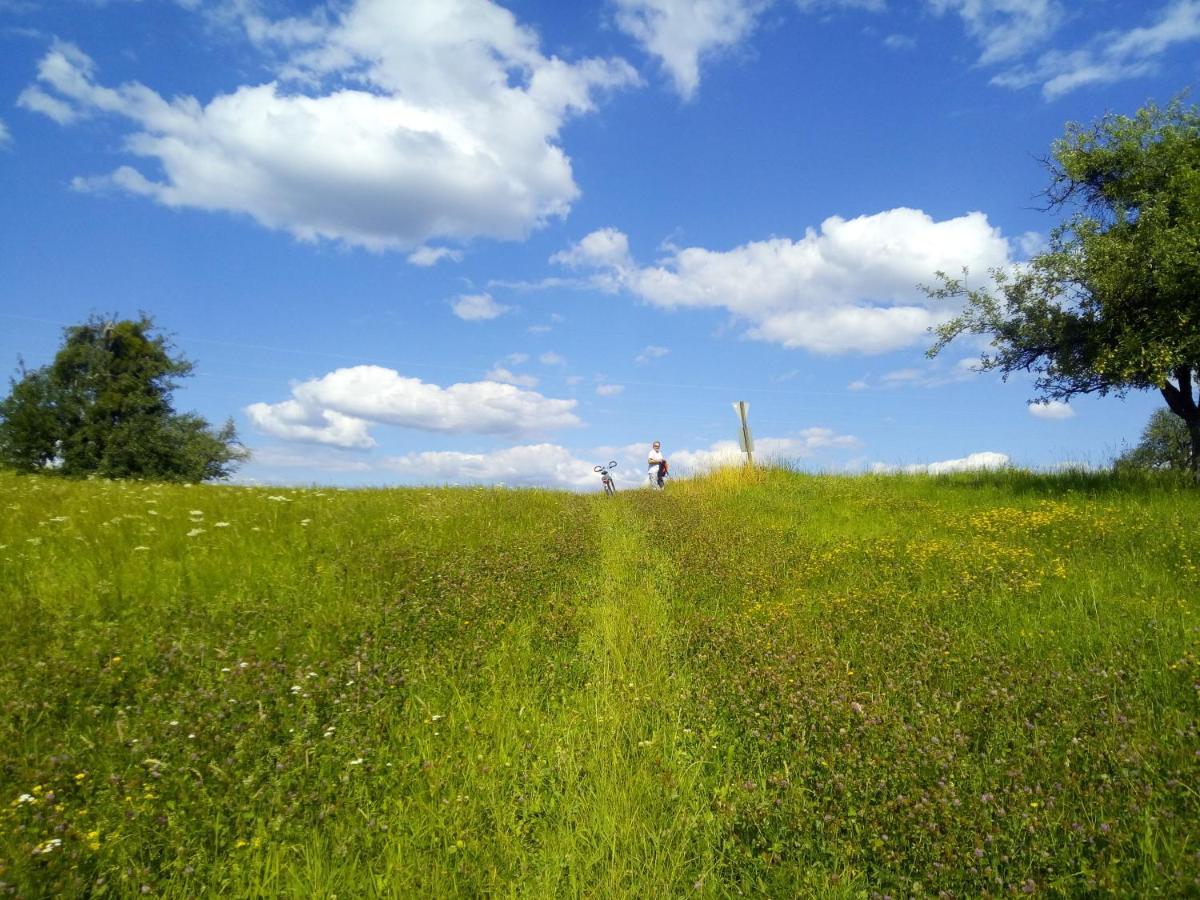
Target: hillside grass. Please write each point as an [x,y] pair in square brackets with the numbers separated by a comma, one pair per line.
[751,684]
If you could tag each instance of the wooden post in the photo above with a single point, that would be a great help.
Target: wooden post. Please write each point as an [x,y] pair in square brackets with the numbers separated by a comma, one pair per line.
[745,438]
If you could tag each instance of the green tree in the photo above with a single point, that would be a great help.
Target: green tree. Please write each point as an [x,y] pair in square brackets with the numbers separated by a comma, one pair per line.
[1165,444]
[1113,304]
[103,407]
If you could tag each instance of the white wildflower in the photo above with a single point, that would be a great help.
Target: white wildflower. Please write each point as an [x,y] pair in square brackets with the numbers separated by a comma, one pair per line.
[195,531]
[48,847]
[140,547]
[220,525]
[356,762]
[26,798]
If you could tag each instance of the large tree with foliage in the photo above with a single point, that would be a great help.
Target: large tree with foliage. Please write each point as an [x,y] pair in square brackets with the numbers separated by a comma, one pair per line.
[1113,304]
[103,407]
[1164,444]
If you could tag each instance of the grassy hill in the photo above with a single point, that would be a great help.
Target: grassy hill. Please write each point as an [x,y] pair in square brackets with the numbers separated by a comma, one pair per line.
[780,684]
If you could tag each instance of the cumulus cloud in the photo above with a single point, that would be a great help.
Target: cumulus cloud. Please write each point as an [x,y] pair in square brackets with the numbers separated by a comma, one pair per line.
[533,465]
[1051,409]
[974,462]
[681,32]
[389,124]
[550,358]
[850,285]
[339,408]
[609,390]
[477,307]
[1111,56]
[766,449]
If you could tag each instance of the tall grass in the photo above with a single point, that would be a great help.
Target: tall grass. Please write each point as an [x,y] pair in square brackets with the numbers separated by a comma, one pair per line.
[755,683]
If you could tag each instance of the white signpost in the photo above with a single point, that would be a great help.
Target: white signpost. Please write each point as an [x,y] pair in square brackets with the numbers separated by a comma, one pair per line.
[745,438]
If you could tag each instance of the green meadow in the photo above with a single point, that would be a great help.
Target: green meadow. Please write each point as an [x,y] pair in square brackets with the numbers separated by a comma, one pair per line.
[750,684]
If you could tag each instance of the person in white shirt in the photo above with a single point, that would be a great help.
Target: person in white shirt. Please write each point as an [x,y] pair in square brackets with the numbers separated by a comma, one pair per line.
[657,465]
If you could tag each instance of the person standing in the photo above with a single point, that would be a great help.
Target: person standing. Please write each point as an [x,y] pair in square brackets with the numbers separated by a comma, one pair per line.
[657,465]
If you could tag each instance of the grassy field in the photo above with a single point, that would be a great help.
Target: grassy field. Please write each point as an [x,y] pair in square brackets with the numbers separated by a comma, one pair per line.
[779,685]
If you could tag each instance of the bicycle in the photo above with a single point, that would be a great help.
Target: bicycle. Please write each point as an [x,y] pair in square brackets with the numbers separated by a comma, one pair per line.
[610,486]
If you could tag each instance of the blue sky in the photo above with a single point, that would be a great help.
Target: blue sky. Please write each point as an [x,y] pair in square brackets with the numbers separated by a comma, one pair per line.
[455,241]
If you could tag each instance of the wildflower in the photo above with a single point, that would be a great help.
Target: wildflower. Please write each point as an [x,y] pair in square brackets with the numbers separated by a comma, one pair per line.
[305,521]
[220,525]
[48,847]
[195,531]
[80,776]
[356,762]
[93,839]
[196,512]
[23,799]
[140,548]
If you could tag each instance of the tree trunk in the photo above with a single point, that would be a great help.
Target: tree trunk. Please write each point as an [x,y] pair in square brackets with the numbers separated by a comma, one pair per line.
[1179,398]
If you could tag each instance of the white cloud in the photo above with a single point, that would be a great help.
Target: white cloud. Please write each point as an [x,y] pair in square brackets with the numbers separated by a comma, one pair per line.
[1005,29]
[35,99]
[535,465]
[931,376]
[505,376]
[1110,56]
[766,449]
[1051,409]
[550,358]
[516,359]
[649,353]
[899,42]
[680,32]
[5,135]
[425,256]
[605,247]
[974,462]
[477,307]
[609,390]
[850,286]
[339,408]
[390,124]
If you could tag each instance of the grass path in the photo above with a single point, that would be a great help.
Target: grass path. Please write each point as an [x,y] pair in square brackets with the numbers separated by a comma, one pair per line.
[633,818]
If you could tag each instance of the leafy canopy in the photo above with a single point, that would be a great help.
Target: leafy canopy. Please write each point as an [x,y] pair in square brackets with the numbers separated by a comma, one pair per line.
[103,407]
[1164,444]
[1113,304]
